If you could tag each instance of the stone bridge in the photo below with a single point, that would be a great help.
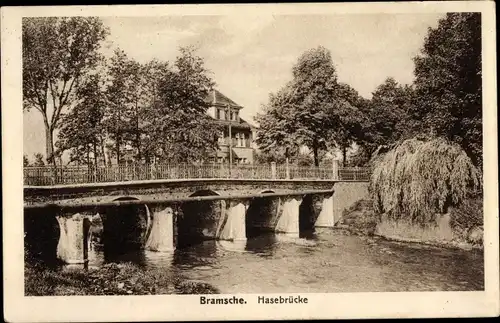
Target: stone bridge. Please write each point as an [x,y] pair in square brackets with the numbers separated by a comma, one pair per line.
[162,215]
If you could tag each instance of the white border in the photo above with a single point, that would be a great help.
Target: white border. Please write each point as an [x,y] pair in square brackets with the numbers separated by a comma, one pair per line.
[153,308]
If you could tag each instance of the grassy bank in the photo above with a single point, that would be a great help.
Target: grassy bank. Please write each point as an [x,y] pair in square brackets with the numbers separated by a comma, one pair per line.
[461,228]
[111,279]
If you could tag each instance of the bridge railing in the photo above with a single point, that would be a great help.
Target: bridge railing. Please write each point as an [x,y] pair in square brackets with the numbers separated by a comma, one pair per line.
[47,175]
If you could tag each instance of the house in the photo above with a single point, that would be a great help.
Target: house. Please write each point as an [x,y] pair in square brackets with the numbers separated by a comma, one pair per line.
[237,136]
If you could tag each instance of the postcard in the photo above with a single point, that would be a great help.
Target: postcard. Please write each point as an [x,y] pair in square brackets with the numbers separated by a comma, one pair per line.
[250,161]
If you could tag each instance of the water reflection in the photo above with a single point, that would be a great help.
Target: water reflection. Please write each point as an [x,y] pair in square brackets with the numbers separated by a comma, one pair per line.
[201,255]
[159,259]
[232,246]
[263,246]
[323,261]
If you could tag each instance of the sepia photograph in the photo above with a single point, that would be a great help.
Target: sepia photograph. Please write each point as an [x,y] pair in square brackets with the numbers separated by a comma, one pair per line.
[279,155]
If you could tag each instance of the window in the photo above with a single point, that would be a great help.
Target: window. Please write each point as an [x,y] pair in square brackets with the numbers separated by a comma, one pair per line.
[243,143]
[221,114]
[239,139]
[221,140]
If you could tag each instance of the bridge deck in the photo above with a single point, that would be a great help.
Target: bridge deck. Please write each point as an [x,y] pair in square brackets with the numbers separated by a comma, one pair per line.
[172,181]
[81,205]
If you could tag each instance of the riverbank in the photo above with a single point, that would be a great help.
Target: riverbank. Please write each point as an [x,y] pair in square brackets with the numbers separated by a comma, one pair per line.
[110,279]
[461,229]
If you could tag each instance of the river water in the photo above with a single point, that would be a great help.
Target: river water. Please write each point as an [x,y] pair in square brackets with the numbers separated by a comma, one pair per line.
[327,261]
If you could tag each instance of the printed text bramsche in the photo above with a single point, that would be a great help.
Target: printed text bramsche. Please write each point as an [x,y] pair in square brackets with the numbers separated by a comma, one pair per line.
[260,299]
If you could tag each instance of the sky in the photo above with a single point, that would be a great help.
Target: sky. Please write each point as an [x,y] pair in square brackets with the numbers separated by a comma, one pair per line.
[252,56]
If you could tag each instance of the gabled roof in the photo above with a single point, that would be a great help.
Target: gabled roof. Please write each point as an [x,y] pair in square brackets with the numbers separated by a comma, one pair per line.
[217,98]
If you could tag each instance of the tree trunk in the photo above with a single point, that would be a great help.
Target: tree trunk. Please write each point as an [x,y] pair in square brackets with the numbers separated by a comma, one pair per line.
[95,160]
[344,156]
[88,155]
[89,173]
[287,165]
[49,149]
[103,153]
[49,144]
[137,133]
[117,147]
[315,153]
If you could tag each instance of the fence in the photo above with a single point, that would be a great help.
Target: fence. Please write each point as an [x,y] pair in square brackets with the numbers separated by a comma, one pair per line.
[82,174]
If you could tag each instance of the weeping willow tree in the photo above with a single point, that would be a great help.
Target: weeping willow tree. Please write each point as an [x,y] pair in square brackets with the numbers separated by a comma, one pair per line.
[418,179]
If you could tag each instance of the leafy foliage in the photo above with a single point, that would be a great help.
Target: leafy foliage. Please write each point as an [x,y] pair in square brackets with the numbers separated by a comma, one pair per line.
[386,118]
[110,279]
[311,110]
[121,115]
[266,157]
[467,216]
[448,82]
[150,110]
[57,55]
[177,121]
[26,161]
[39,160]
[82,129]
[419,179]
[275,133]
[445,98]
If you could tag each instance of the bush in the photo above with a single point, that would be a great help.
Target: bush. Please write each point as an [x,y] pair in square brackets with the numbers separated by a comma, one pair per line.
[419,179]
[110,279]
[361,218]
[467,217]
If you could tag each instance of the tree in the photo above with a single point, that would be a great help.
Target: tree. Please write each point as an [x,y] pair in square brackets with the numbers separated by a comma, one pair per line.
[274,135]
[418,179]
[386,115]
[39,160]
[177,121]
[57,55]
[448,82]
[26,161]
[313,109]
[266,157]
[121,110]
[82,129]
[346,119]
[313,93]
[153,72]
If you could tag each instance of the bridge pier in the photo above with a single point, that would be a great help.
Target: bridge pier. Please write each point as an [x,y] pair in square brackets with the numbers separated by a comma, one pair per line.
[288,216]
[72,247]
[161,236]
[326,217]
[232,223]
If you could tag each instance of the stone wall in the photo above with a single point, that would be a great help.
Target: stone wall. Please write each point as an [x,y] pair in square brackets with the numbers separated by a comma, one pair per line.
[346,194]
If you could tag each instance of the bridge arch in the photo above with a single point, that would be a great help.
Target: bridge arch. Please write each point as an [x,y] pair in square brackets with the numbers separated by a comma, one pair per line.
[198,220]
[125,198]
[41,235]
[307,215]
[205,192]
[124,228]
[261,214]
